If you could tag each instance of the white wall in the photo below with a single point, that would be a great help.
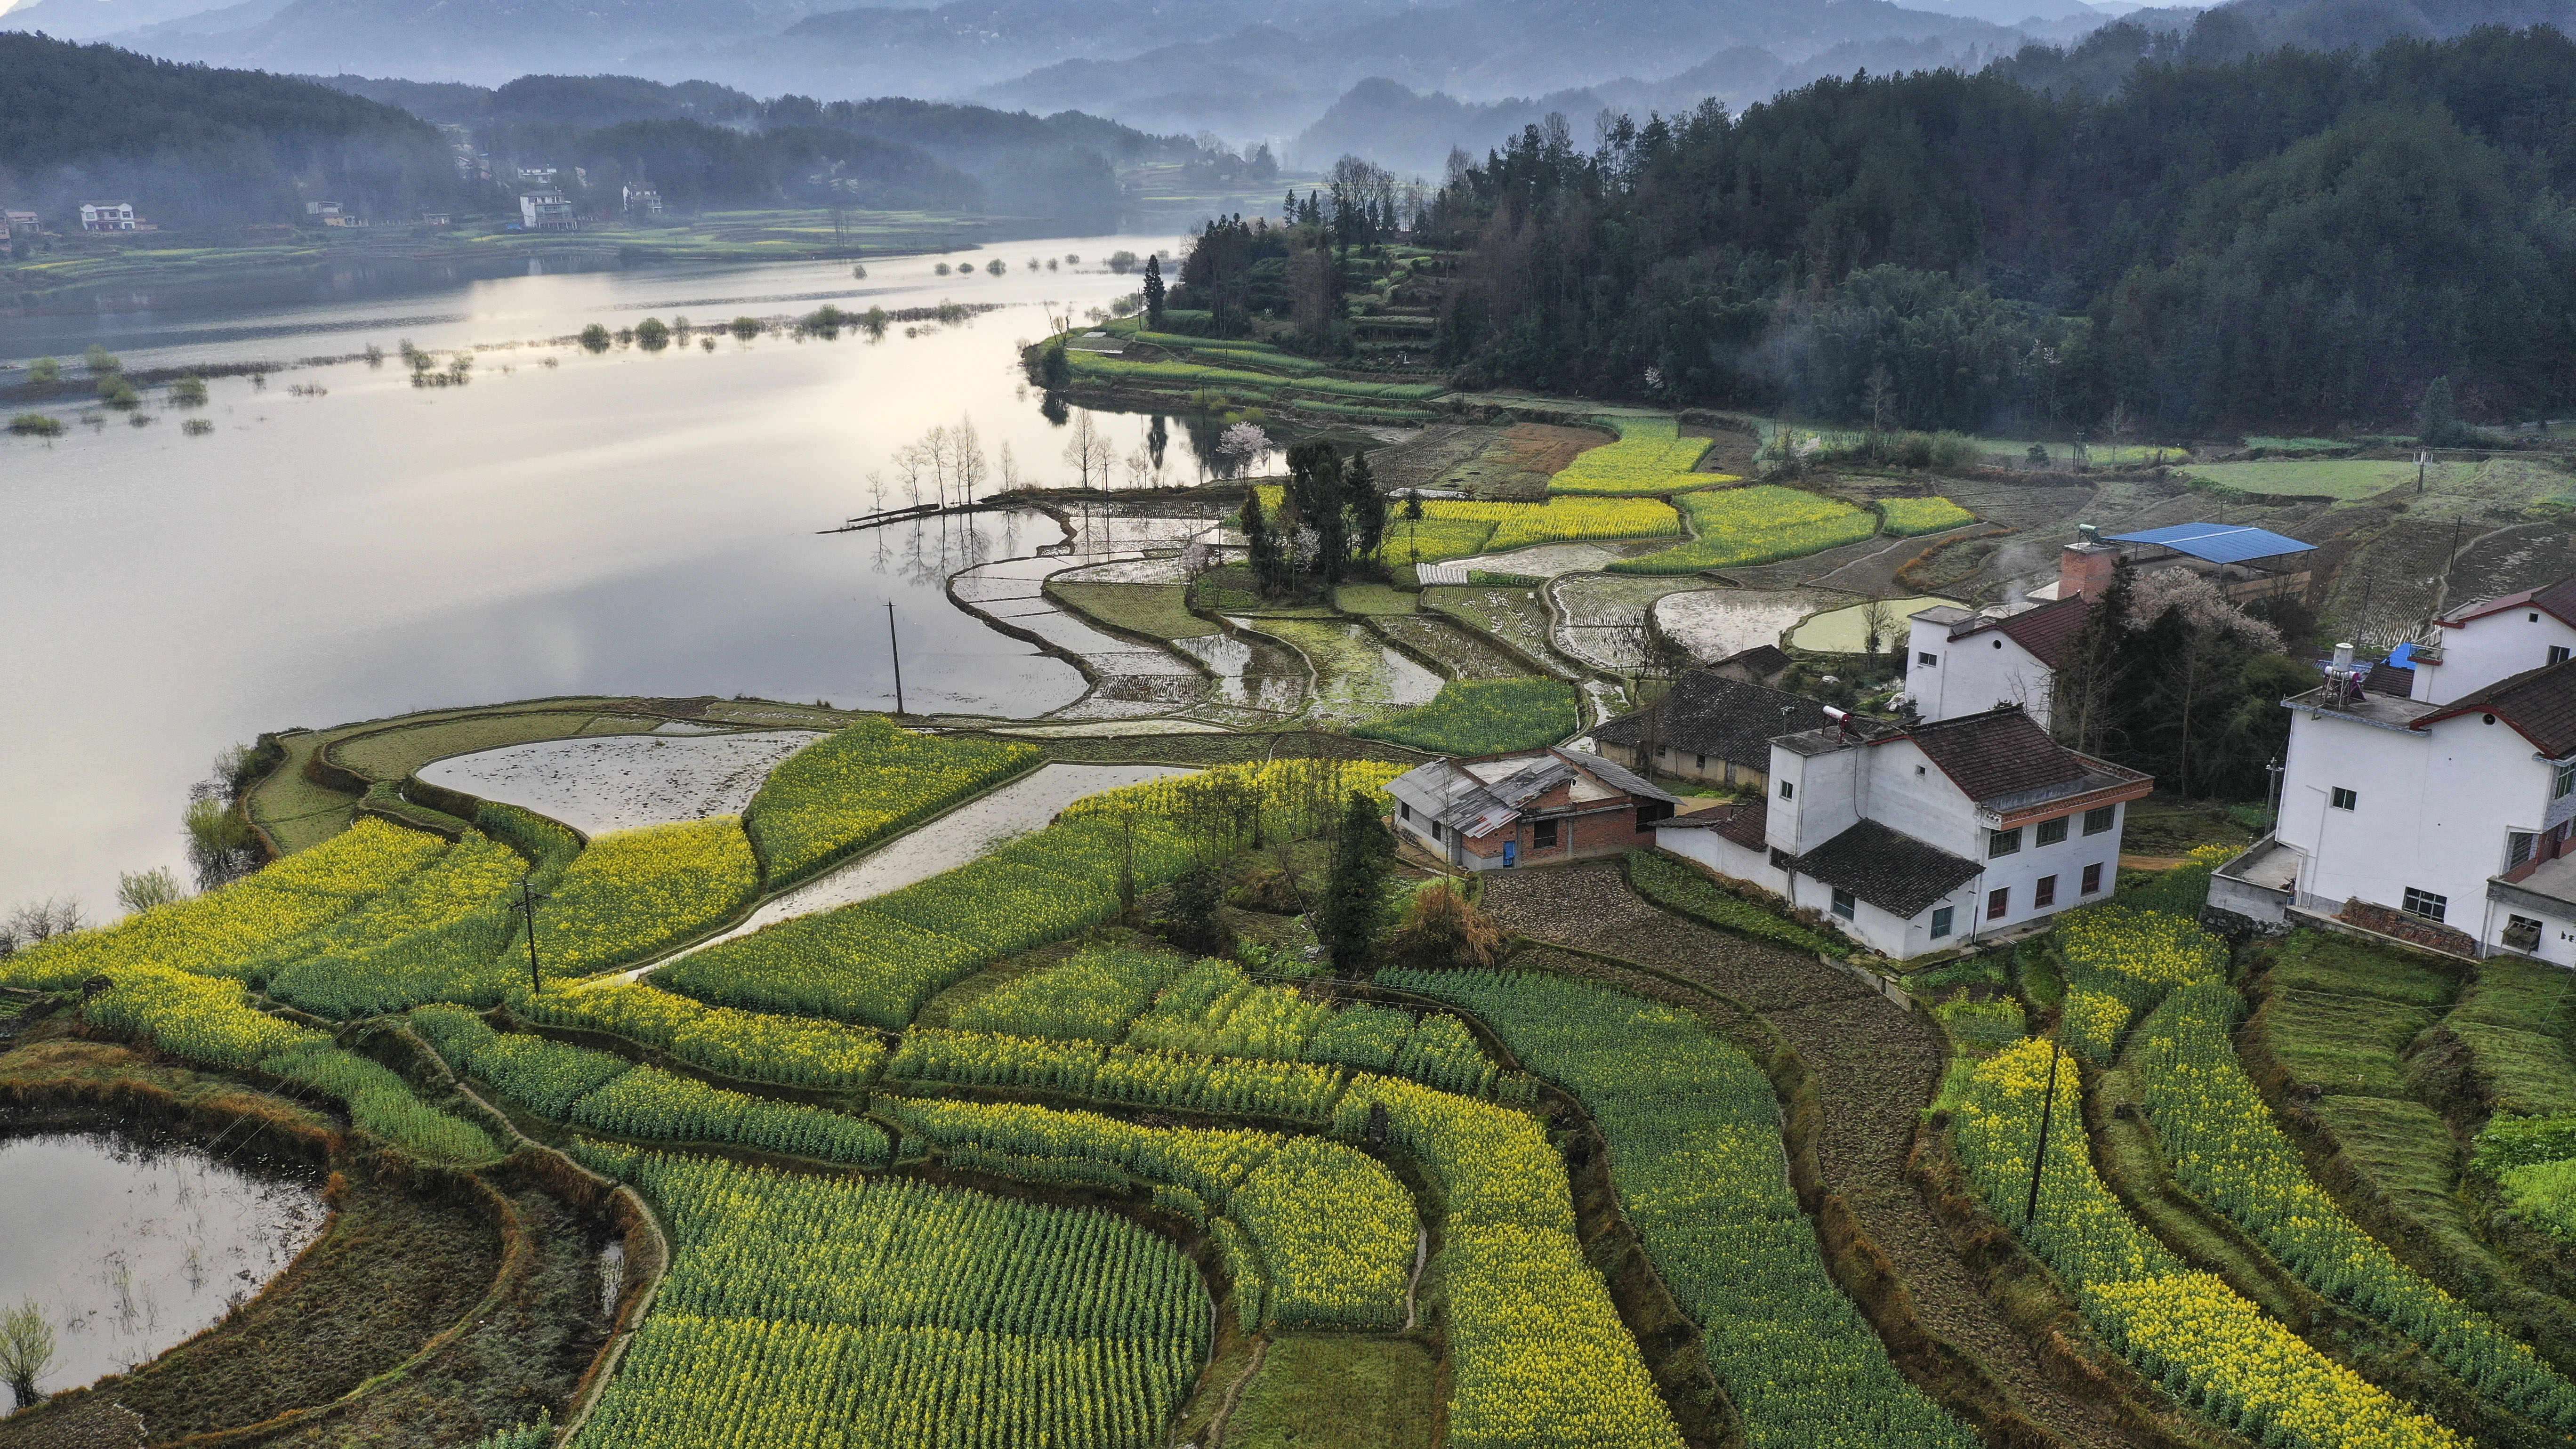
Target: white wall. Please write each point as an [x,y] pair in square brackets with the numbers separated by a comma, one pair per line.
[1828,794]
[1723,856]
[2484,650]
[1972,675]
[2432,809]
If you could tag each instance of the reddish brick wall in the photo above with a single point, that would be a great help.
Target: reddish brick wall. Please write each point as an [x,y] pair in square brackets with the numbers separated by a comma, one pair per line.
[1578,837]
[2430,935]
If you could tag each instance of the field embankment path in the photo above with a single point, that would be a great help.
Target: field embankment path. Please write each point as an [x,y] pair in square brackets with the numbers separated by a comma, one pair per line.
[1875,1067]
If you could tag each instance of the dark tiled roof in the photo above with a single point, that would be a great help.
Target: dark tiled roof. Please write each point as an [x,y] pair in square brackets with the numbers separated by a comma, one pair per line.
[1762,659]
[1894,872]
[2043,631]
[2389,679]
[1614,776]
[1999,753]
[2557,600]
[1742,822]
[1725,719]
[2541,703]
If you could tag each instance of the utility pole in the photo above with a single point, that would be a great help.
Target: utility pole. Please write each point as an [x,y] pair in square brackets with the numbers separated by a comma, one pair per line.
[897,646]
[2422,457]
[2039,1157]
[527,909]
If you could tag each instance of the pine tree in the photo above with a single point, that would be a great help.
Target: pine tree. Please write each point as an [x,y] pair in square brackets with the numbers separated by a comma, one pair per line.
[2438,423]
[1354,905]
[1367,507]
[1262,546]
[1154,293]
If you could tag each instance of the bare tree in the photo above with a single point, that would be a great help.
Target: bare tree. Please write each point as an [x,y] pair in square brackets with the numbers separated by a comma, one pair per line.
[966,458]
[140,890]
[1878,625]
[1012,482]
[1088,450]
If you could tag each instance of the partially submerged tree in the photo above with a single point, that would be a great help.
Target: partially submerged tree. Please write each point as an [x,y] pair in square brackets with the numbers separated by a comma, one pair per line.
[26,1350]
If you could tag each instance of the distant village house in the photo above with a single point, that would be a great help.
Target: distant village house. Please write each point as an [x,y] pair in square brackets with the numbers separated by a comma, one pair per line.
[107,216]
[1497,812]
[547,211]
[640,202]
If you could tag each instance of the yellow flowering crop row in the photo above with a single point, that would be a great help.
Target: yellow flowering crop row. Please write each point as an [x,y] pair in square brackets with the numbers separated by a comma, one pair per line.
[1124,1074]
[2210,1347]
[1538,1354]
[1458,528]
[1908,516]
[2120,962]
[755,1046]
[203,1018]
[470,876]
[1215,1009]
[1335,1232]
[1209,1163]
[2225,1148]
[1651,456]
[1693,1128]
[1738,527]
[878,961]
[830,1313]
[635,893]
[223,931]
[854,788]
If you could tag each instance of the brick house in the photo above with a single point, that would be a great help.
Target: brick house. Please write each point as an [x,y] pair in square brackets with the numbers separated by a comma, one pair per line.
[1496,812]
[1711,728]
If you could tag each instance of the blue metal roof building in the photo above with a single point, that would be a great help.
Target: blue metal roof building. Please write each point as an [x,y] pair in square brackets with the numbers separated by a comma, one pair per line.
[2219,543]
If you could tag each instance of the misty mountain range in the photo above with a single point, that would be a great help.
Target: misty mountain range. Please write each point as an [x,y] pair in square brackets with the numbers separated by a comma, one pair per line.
[1394,80]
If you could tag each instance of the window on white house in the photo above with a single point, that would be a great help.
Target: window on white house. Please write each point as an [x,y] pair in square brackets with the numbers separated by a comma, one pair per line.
[2097,821]
[2426,904]
[2558,653]
[2563,784]
[1699,762]
[1785,791]
[2044,893]
[2003,842]
[1998,903]
[2343,799]
[2518,845]
[2092,879]
[2052,831]
[1928,661]
[1403,811]
[1941,922]
[1844,904]
[1435,830]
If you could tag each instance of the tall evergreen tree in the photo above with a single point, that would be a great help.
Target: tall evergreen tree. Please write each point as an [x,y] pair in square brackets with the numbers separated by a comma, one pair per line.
[1354,906]
[2437,422]
[1366,506]
[1154,293]
[1315,490]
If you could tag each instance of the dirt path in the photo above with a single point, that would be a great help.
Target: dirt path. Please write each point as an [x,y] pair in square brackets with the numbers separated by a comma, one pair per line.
[1875,1065]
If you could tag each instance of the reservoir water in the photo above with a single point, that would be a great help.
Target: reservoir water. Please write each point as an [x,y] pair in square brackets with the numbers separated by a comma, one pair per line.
[625,522]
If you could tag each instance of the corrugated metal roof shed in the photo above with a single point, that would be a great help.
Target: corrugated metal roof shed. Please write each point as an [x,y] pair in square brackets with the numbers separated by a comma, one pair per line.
[2218,542]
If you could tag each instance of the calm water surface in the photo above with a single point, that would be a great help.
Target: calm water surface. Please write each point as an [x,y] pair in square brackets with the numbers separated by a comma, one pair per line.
[627,522]
[129,1248]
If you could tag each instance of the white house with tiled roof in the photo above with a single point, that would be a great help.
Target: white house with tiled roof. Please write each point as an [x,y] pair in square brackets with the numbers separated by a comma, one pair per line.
[2441,816]
[1923,837]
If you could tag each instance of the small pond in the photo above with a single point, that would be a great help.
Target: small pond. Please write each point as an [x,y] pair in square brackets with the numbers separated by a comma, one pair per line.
[130,1245]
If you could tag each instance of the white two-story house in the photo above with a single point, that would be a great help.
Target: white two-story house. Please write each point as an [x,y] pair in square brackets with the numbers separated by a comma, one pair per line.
[2443,816]
[1923,837]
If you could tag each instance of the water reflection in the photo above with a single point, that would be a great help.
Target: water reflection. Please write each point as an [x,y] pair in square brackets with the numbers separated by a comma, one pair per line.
[131,1246]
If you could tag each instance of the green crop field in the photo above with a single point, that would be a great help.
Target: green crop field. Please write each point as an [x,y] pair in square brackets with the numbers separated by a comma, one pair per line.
[1483,717]
[2346,480]
[1742,526]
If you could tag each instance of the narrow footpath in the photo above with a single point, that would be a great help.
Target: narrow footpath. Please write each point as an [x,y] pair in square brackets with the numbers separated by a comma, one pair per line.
[1875,1066]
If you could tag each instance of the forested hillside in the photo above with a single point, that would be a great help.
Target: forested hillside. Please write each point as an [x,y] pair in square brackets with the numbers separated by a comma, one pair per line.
[2292,237]
[195,146]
